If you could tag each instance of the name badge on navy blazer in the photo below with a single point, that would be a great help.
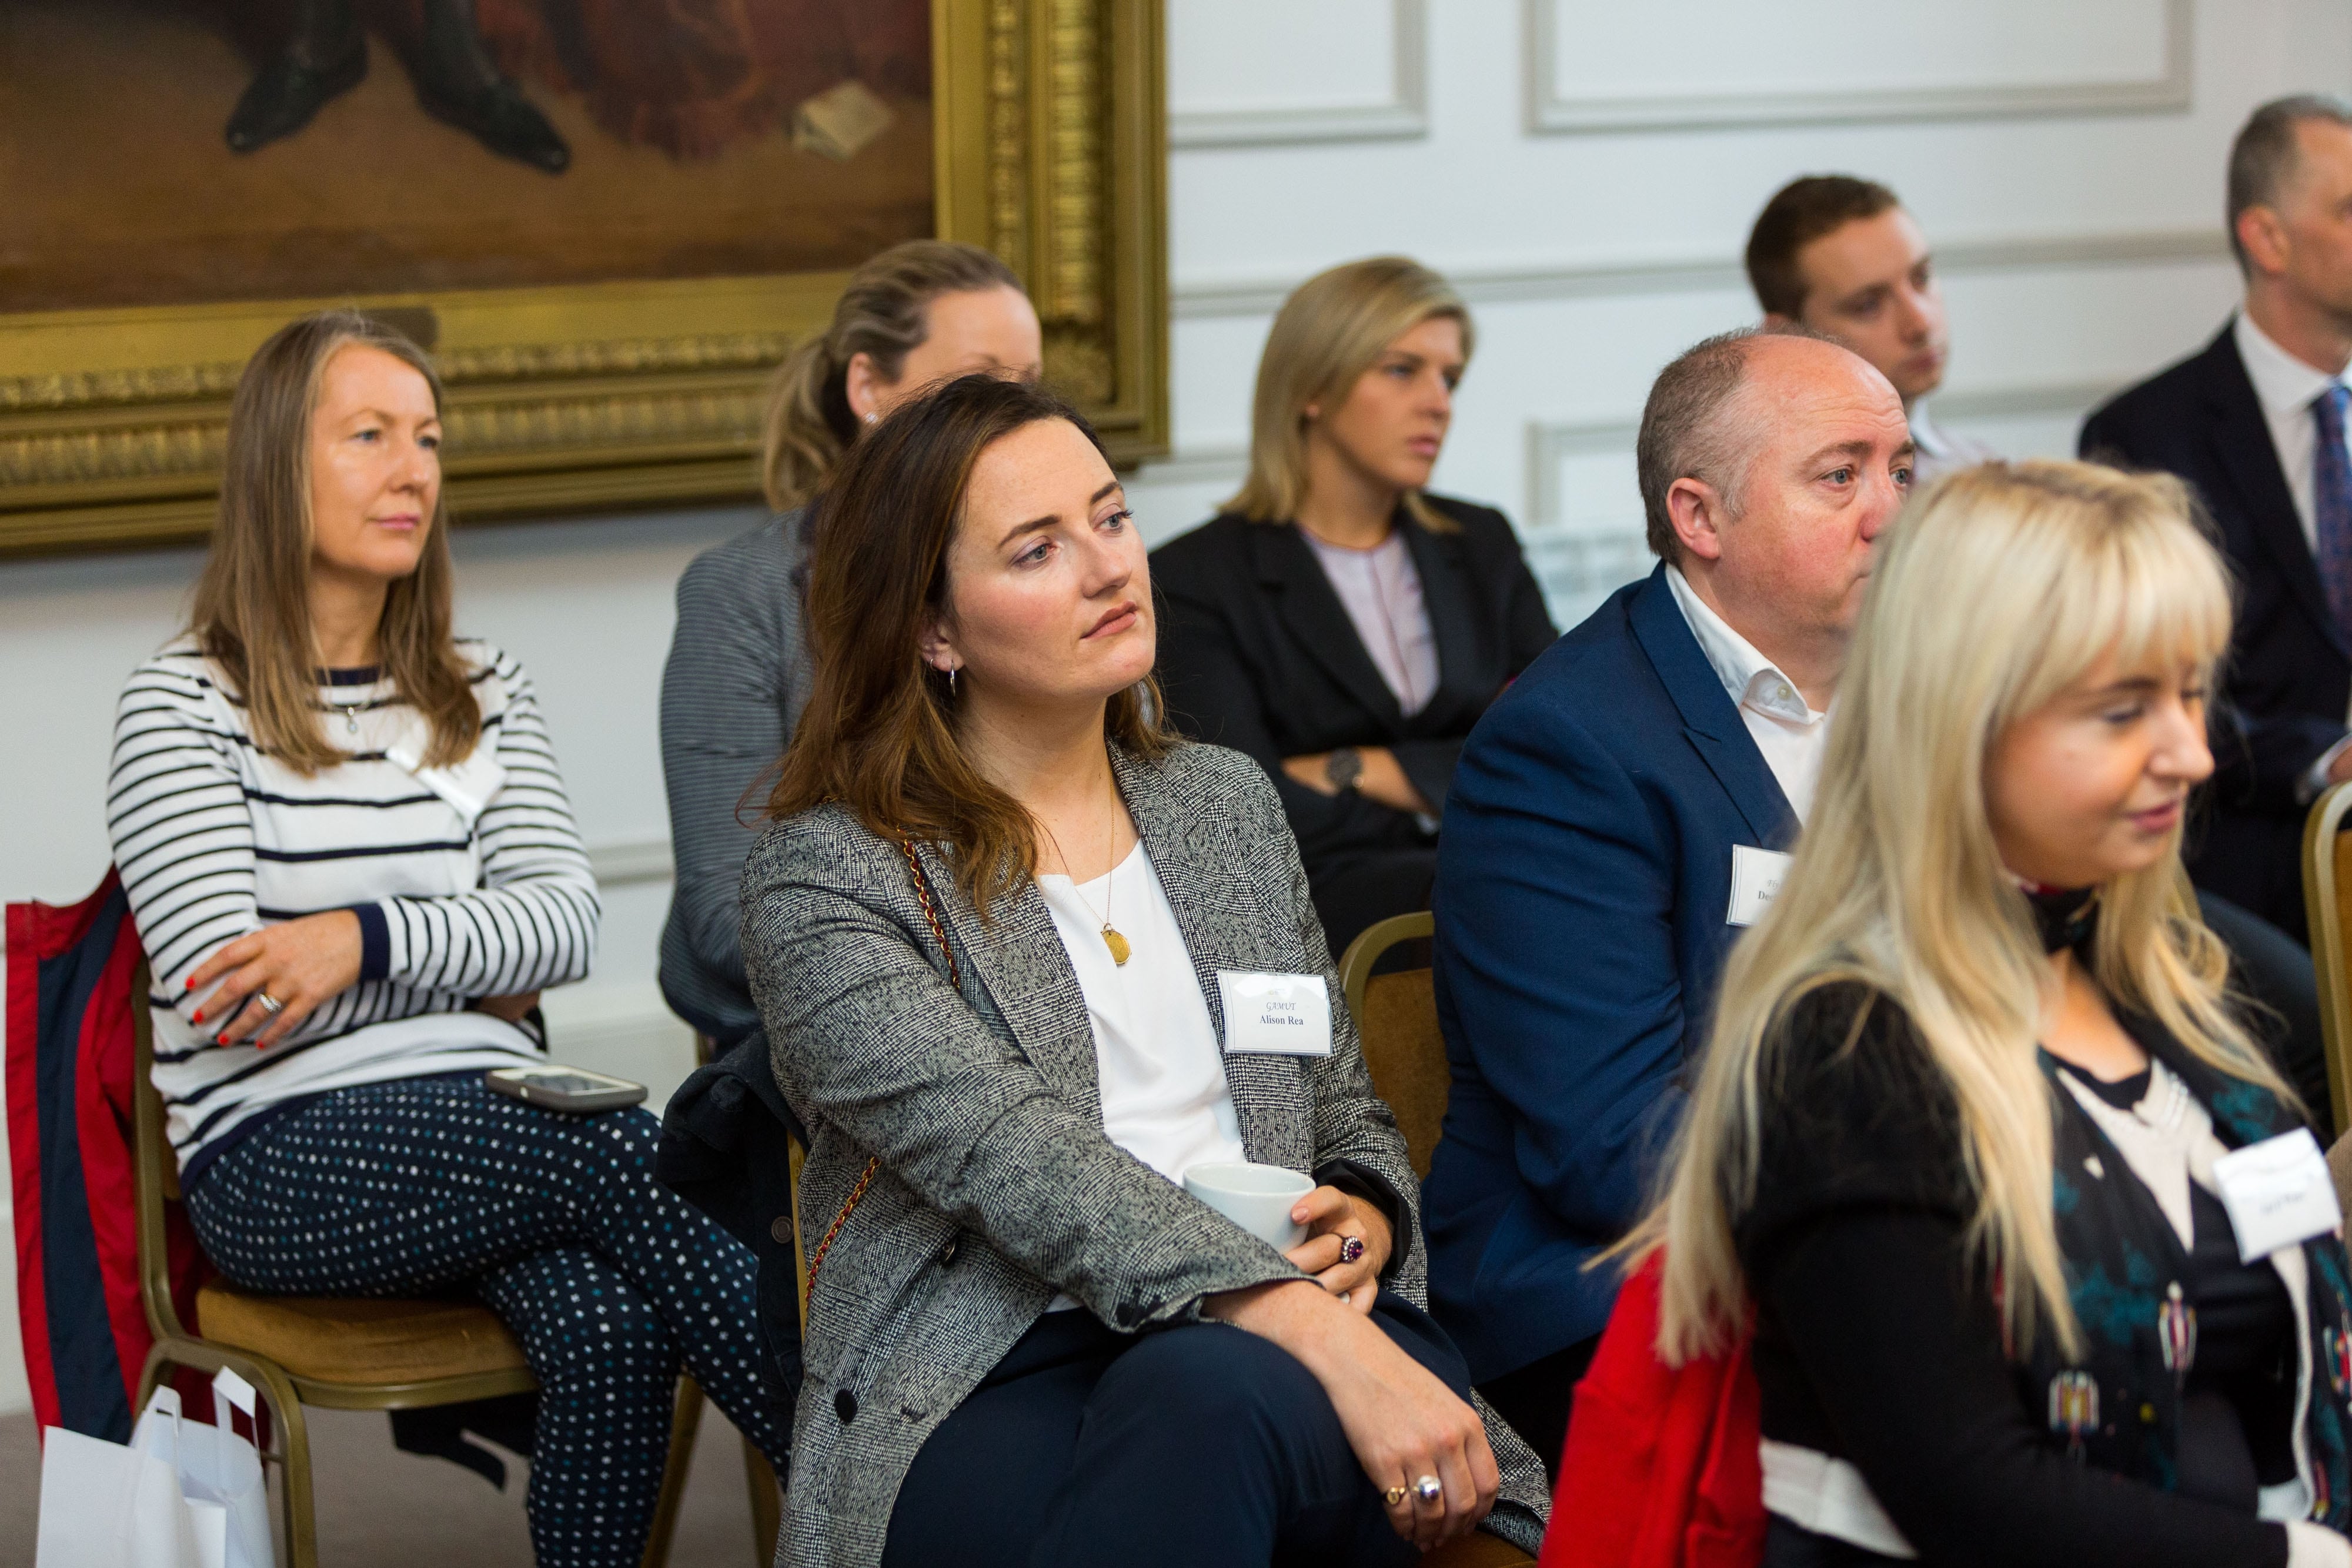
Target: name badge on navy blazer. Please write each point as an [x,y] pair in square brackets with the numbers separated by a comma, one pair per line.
[1289,1015]
[1755,877]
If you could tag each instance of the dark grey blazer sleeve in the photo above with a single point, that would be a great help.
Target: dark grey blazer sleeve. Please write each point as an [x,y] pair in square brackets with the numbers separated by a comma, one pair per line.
[736,682]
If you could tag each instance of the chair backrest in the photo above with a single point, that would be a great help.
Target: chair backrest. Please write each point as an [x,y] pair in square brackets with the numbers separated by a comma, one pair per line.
[1396,1017]
[154,1170]
[2326,886]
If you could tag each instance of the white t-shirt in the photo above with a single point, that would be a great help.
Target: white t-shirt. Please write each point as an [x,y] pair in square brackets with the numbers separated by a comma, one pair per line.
[1162,1076]
[1164,1098]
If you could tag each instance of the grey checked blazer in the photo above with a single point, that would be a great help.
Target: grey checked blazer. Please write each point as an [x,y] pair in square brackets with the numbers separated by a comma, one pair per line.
[998,1186]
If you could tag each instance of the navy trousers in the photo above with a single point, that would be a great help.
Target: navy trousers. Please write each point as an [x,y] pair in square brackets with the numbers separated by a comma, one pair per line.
[608,1279]
[1200,1446]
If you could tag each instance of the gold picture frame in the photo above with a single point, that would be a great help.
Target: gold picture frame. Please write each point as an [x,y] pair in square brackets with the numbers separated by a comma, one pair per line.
[1050,148]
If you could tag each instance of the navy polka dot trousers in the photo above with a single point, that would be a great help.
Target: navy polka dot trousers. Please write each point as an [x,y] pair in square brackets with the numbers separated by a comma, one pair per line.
[426,1185]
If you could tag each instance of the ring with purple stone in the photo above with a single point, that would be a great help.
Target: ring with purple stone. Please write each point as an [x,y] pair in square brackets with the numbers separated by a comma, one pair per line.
[1352,1248]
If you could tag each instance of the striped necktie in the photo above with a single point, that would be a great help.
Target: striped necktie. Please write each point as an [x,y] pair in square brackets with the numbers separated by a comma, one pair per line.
[2331,503]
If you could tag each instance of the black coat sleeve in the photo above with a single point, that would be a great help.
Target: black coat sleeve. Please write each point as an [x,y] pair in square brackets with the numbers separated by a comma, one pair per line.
[1213,695]
[1907,1367]
[1526,631]
[1853,1250]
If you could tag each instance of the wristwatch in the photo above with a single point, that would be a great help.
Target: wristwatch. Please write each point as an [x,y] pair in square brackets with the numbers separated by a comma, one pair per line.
[1344,767]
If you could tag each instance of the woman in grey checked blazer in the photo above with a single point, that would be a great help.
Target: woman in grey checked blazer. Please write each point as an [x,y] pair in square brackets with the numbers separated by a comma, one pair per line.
[1027,1343]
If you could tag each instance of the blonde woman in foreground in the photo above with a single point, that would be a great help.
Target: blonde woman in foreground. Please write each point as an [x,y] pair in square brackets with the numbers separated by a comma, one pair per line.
[1961,1137]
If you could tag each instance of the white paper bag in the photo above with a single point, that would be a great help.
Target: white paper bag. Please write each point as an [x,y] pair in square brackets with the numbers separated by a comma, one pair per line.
[105,1506]
[216,1466]
[179,1495]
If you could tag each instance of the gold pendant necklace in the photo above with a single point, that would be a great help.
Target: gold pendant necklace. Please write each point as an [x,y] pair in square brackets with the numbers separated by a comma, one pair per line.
[1120,949]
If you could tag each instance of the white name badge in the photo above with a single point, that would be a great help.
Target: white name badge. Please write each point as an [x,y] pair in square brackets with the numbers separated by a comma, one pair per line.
[1289,1014]
[2278,1193]
[1755,877]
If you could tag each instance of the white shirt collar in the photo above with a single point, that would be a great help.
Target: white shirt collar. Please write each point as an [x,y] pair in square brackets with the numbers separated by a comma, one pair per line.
[2286,385]
[1753,680]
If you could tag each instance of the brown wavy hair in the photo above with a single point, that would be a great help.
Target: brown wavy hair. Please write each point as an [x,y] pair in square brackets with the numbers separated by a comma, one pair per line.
[252,611]
[879,733]
[882,314]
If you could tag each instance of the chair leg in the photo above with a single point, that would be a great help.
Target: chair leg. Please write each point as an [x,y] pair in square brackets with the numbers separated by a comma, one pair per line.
[295,1510]
[685,1417]
[767,1505]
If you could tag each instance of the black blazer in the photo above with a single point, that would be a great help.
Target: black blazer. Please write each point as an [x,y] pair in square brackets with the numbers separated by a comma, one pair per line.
[1257,653]
[2289,674]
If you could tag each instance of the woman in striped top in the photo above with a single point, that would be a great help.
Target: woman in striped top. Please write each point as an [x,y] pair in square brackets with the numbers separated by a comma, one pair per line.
[353,867]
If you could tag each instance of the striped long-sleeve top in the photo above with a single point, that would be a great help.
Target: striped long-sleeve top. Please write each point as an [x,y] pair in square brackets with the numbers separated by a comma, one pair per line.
[468,881]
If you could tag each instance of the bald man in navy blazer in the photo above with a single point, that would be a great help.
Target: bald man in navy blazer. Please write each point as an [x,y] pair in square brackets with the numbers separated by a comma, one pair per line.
[1617,816]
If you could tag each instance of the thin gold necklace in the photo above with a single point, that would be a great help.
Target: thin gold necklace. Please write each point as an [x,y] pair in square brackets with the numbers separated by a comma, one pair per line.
[1121,951]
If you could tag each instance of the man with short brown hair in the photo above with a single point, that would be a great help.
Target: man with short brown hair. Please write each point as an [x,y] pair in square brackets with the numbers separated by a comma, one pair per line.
[1840,256]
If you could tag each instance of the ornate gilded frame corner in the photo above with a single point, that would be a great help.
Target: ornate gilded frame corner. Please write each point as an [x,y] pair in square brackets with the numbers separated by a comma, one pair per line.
[1051,148]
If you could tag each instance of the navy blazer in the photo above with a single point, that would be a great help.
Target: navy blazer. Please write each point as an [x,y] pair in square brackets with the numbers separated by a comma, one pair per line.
[2289,674]
[1583,886]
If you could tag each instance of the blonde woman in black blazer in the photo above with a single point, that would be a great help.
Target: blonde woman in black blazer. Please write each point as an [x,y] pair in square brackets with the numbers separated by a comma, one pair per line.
[1336,623]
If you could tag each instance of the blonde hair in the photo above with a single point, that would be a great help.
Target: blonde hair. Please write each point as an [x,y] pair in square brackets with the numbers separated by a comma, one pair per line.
[252,610]
[2000,588]
[884,314]
[1332,329]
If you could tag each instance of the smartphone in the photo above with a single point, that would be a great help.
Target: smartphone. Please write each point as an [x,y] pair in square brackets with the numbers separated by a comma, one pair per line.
[574,1091]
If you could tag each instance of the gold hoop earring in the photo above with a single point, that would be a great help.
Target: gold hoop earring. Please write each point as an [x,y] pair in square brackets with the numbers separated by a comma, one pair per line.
[951,682]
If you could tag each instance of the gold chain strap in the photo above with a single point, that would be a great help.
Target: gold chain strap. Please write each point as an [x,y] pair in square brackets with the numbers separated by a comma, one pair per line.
[873,1164]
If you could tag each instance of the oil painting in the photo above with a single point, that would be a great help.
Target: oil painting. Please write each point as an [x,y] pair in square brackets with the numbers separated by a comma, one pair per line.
[186,150]
[607,219]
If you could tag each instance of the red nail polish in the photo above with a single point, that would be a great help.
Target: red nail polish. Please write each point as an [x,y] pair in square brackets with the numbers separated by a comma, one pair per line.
[189,984]
[200,1015]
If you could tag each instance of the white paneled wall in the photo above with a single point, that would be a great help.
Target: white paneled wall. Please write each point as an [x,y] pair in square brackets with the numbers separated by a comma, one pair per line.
[1585,170]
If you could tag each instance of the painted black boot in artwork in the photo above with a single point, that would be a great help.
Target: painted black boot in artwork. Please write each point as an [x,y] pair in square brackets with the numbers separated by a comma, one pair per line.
[456,84]
[325,58]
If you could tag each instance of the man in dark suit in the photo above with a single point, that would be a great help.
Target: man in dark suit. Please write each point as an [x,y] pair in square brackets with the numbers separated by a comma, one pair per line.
[2256,424]
[1616,817]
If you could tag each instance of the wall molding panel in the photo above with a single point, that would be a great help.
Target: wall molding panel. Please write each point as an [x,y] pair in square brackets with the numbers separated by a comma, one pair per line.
[1687,274]
[1403,116]
[1552,107]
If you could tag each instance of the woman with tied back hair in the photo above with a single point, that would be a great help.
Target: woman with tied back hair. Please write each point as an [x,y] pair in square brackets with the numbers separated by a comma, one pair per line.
[1964,1132]
[353,867]
[996,933]
[1338,623]
[737,675]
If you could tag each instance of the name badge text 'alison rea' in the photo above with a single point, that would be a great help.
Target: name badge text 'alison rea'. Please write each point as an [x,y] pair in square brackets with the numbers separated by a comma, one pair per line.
[1287,1014]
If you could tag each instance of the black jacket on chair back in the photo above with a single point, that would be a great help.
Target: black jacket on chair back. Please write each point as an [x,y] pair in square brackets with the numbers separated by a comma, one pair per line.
[2285,685]
[1257,653]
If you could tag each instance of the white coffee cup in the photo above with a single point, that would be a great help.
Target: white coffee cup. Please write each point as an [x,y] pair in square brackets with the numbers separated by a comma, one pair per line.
[1254,1196]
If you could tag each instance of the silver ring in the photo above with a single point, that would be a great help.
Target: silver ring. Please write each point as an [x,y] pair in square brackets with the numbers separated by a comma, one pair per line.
[267,1003]
[1429,1489]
